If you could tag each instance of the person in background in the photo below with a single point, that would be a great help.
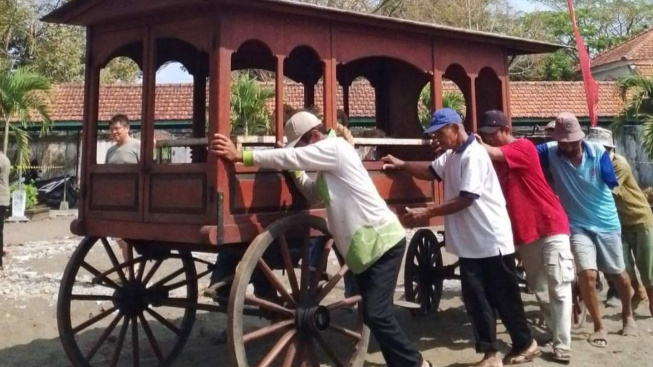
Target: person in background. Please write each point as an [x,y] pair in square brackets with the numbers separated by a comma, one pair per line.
[127,150]
[539,225]
[5,198]
[477,230]
[367,233]
[636,222]
[584,179]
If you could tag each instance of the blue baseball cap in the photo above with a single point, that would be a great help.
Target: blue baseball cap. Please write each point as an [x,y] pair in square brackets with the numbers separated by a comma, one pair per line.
[442,118]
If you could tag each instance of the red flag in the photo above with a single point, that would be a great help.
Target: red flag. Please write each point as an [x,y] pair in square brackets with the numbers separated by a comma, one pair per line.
[591,87]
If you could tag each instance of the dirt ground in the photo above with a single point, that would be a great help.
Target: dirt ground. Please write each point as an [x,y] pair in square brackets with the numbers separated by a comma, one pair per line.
[38,253]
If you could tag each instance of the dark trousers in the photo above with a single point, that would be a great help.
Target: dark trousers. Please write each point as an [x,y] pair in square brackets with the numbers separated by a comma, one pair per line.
[3,211]
[377,286]
[490,284]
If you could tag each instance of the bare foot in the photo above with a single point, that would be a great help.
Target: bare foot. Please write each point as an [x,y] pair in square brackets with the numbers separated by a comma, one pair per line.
[522,356]
[491,359]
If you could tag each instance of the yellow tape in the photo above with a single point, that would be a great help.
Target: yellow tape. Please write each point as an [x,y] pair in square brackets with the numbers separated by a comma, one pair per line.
[36,167]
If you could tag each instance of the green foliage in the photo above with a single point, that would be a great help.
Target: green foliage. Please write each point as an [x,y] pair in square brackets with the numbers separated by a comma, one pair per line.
[52,50]
[558,66]
[637,93]
[23,95]
[452,100]
[31,195]
[249,115]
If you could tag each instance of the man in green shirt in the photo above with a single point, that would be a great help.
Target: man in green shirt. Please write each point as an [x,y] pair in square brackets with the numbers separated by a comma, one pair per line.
[636,221]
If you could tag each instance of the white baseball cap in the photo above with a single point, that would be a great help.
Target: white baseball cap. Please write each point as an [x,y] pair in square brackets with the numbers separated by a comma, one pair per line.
[298,125]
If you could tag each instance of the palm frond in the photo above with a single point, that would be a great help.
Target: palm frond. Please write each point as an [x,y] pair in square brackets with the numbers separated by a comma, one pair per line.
[647,137]
[22,144]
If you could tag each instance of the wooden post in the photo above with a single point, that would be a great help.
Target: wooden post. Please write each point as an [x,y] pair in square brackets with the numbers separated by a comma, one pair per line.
[279,99]
[345,99]
[436,90]
[309,94]
[471,109]
[198,154]
[329,82]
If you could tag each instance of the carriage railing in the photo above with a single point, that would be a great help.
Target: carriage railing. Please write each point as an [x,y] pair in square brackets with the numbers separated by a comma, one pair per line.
[262,142]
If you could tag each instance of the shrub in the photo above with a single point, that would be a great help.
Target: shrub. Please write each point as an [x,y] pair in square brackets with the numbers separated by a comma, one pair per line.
[30,193]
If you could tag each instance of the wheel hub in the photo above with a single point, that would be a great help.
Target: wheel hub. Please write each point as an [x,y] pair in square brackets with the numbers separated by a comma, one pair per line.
[133,298]
[312,319]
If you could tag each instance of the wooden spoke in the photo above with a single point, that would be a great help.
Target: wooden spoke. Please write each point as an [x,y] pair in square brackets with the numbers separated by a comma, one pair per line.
[93,320]
[103,337]
[114,260]
[322,265]
[121,340]
[269,306]
[274,281]
[102,279]
[332,283]
[90,297]
[347,302]
[312,355]
[185,282]
[287,262]
[168,278]
[290,353]
[135,351]
[151,338]
[152,271]
[268,330]
[141,271]
[277,348]
[305,275]
[327,349]
[130,260]
[356,337]
[126,264]
[302,352]
[163,321]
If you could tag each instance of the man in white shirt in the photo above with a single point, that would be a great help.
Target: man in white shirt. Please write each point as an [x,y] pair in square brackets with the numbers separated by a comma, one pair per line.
[367,233]
[477,230]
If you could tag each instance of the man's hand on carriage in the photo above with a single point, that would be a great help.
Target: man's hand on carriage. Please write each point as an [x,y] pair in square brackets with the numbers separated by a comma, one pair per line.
[392,163]
[416,216]
[225,149]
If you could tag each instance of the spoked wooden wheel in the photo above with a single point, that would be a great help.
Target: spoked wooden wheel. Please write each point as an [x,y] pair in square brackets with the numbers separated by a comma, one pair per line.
[125,313]
[424,271]
[306,312]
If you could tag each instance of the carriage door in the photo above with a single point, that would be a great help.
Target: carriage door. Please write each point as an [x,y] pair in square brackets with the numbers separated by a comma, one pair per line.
[176,186]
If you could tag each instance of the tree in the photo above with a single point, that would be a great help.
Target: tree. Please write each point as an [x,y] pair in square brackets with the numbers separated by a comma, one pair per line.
[52,50]
[23,93]
[249,114]
[453,100]
[637,93]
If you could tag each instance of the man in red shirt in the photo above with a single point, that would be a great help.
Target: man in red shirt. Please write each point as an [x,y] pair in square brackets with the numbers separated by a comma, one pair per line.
[539,224]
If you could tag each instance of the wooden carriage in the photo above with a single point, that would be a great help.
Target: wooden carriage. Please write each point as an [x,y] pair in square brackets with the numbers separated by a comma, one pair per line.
[165,211]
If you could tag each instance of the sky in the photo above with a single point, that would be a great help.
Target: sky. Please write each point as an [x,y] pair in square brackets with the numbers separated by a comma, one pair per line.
[173,73]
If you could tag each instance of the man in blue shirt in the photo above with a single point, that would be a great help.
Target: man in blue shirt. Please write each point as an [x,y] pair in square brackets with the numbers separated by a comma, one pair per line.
[584,178]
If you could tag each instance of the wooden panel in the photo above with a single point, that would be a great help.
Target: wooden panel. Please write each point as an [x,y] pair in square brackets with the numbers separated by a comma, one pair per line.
[265,191]
[178,194]
[114,192]
[400,188]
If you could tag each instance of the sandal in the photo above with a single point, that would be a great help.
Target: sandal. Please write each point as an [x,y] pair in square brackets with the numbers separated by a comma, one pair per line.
[514,357]
[561,355]
[630,329]
[596,338]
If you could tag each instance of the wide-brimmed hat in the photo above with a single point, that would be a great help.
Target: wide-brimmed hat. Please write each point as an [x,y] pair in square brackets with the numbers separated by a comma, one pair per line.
[567,128]
[298,125]
[601,136]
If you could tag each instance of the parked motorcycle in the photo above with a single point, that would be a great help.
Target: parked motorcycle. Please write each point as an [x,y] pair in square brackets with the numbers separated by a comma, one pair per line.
[51,191]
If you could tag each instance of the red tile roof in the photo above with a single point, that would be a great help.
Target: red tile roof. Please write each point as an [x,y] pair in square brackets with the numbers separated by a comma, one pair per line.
[644,69]
[174,101]
[639,47]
